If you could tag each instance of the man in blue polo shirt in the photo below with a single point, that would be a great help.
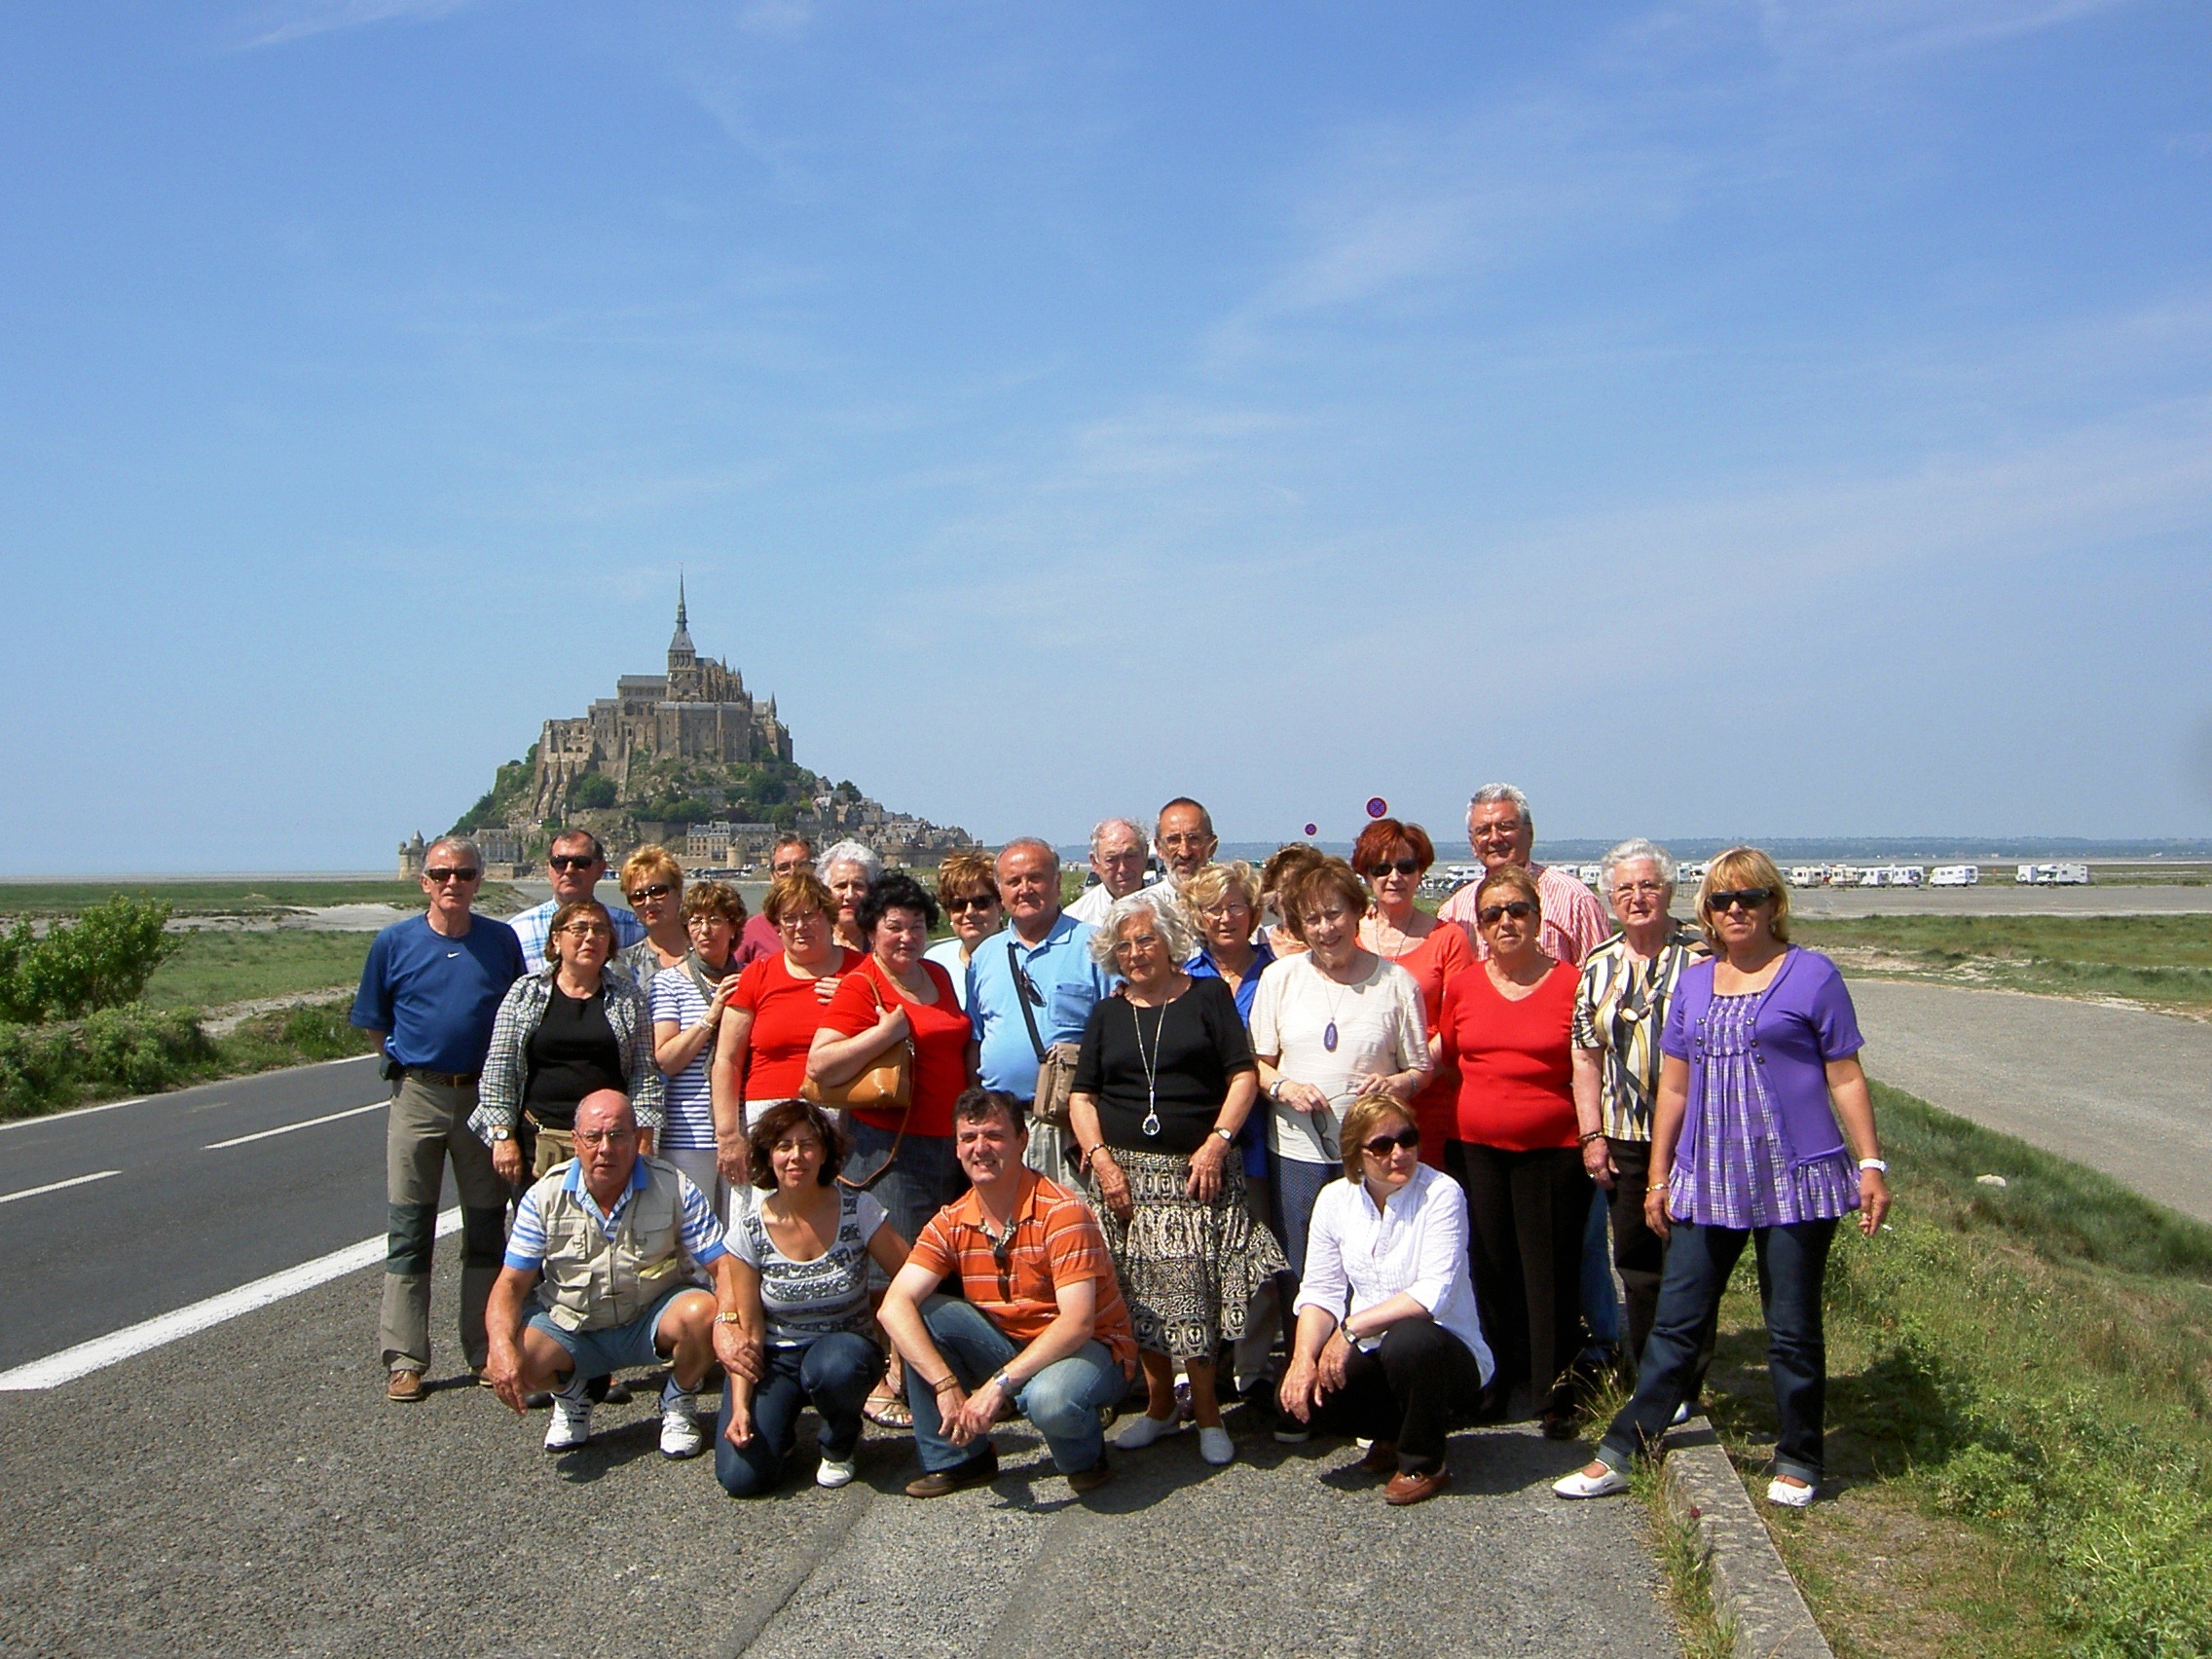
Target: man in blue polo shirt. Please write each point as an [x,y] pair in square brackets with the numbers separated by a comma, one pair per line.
[430,989]
[1031,986]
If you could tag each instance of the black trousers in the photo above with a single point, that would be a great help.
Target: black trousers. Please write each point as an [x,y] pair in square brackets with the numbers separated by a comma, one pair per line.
[1526,1215]
[1640,1256]
[1417,1382]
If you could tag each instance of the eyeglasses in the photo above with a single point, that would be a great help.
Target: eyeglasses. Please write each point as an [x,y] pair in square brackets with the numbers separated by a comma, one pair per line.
[440,877]
[1645,889]
[1381,1146]
[974,902]
[1137,942]
[588,930]
[604,1137]
[1404,866]
[571,860]
[1739,899]
[1182,842]
[1519,910]
[643,895]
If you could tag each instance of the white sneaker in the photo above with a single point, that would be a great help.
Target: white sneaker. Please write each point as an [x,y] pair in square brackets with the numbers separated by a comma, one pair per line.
[679,1435]
[833,1472]
[1291,1432]
[1135,1434]
[1789,1496]
[570,1427]
[1215,1445]
[1580,1485]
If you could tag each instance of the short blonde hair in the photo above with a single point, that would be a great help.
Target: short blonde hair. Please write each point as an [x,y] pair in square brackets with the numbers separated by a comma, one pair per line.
[964,875]
[715,898]
[1362,1118]
[652,860]
[1210,883]
[1744,866]
[798,891]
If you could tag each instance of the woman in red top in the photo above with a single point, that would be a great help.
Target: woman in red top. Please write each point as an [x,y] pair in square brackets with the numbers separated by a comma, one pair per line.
[769,1025]
[1508,1024]
[1394,856]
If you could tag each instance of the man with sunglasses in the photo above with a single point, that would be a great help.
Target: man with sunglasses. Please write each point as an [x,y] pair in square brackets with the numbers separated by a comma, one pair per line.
[1030,988]
[1502,830]
[431,991]
[574,863]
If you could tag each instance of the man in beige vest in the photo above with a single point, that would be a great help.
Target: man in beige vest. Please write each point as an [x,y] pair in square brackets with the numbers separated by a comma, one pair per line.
[608,1242]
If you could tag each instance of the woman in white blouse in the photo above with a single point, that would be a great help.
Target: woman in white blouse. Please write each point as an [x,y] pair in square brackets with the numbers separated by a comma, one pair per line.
[1408,1359]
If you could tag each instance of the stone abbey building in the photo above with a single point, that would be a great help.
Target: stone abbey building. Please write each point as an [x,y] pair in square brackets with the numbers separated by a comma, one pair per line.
[699,710]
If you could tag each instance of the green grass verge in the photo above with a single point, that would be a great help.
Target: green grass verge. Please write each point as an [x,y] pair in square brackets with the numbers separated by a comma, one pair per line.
[141,1051]
[235,898]
[214,967]
[2163,960]
[2019,1409]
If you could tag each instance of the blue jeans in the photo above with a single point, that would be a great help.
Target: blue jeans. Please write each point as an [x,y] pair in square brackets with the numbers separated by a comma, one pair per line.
[922,1179]
[1601,1303]
[1792,1263]
[1063,1400]
[834,1374]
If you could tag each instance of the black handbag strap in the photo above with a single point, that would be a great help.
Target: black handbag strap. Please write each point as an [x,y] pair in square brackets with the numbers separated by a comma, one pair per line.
[1021,996]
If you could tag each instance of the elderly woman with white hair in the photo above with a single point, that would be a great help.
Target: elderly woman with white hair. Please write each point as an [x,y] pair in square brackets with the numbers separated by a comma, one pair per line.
[1164,1080]
[1620,1008]
[846,869]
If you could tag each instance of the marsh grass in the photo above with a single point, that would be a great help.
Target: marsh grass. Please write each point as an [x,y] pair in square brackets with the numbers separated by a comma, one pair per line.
[2023,1370]
[2160,960]
[216,898]
[213,967]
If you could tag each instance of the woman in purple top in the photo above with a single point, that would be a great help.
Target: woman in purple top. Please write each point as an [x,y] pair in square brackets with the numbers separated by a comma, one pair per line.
[1760,1092]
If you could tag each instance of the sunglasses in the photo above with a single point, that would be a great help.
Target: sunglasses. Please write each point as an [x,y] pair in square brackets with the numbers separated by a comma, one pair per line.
[442,876]
[1739,897]
[571,860]
[1519,910]
[1381,1146]
[1030,994]
[974,902]
[658,890]
[1404,866]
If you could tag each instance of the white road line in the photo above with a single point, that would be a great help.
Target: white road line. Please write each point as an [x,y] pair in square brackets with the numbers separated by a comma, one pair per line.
[287,1128]
[56,1185]
[103,1352]
[76,1112]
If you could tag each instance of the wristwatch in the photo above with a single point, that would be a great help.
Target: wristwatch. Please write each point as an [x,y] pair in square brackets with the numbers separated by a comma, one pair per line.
[1005,1384]
[500,1132]
[1874,1164]
[729,1319]
[1225,1134]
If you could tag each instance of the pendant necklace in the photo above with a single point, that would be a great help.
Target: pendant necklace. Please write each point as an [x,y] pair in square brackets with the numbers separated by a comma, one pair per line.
[1151,1063]
[1329,1036]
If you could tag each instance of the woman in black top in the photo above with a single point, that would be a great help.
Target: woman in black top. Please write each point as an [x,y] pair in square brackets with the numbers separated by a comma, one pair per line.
[1165,1081]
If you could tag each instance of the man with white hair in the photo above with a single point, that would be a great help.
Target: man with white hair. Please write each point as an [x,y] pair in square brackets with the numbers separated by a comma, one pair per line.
[1502,830]
[1117,858]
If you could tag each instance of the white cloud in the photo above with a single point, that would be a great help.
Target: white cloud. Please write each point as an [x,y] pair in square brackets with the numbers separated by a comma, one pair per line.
[296,20]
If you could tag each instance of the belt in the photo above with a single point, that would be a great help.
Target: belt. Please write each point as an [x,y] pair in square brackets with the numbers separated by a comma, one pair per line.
[444,1080]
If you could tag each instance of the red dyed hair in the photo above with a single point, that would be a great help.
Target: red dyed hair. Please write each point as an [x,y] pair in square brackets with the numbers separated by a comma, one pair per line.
[1382,837]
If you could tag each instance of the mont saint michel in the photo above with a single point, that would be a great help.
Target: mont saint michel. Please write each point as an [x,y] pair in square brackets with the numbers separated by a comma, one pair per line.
[686,757]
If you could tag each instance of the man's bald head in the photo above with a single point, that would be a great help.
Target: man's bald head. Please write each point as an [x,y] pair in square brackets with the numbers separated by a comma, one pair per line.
[605,1109]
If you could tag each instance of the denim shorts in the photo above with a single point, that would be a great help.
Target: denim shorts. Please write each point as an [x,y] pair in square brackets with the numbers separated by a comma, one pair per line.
[618,1348]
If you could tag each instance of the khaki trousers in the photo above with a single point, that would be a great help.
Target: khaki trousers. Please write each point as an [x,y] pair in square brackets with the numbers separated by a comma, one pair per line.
[429,1124]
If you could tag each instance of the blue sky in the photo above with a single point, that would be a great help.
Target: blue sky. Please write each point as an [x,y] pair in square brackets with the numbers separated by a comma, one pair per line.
[1720,418]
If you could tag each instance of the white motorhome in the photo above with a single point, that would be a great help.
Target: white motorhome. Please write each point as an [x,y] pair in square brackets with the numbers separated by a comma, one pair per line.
[2055,874]
[1589,874]
[1843,875]
[1955,875]
[1806,875]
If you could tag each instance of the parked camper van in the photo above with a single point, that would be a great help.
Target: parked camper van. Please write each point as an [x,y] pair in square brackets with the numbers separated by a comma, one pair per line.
[1807,875]
[1955,875]
[2055,874]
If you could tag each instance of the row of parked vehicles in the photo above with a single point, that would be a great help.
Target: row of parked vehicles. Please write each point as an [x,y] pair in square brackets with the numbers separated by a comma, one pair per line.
[1447,877]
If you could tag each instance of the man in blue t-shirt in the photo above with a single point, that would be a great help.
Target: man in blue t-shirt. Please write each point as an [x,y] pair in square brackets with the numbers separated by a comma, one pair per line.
[1042,960]
[430,989]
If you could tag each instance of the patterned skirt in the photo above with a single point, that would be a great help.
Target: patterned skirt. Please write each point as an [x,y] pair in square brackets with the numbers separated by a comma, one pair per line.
[1189,1267]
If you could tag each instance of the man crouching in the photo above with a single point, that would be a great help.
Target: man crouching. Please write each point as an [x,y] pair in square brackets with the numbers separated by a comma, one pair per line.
[608,1241]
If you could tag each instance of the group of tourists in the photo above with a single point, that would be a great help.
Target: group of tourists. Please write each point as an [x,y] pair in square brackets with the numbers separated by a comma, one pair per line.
[1213,1133]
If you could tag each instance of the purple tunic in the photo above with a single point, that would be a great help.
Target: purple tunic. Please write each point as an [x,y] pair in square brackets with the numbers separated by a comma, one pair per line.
[1738,1173]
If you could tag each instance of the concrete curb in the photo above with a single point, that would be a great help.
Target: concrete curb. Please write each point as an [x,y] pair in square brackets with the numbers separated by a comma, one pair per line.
[1751,1588]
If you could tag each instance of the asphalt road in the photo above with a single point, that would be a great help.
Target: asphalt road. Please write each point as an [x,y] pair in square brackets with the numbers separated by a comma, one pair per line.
[183,1217]
[2123,1090]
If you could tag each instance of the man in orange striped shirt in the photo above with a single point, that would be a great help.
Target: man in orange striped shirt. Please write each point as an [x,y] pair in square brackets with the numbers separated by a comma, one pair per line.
[1039,1323]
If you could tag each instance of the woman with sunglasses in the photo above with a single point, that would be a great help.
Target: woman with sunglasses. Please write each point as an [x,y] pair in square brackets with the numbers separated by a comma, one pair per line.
[1395,858]
[1405,1360]
[576,1026]
[968,887]
[1506,1026]
[1162,1083]
[1764,1131]
[1329,1024]
[691,999]
[652,882]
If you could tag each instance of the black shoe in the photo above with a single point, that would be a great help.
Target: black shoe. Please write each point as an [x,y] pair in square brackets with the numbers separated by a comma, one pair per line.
[941,1483]
[1093,1478]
